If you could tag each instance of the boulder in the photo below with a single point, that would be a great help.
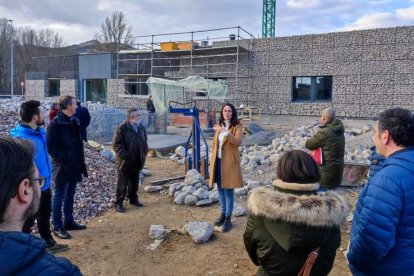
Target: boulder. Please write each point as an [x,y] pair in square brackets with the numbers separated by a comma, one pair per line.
[200,232]
[193,176]
[201,193]
[204,202]
[157,232]
[152,189]
[190,200]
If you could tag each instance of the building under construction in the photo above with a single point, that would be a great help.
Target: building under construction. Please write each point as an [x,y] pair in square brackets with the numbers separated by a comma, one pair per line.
[358,73]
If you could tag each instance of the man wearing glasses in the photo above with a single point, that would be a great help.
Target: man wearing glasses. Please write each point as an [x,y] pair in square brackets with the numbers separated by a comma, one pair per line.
[22,253]
[130,145]
[65,145]
[30,127]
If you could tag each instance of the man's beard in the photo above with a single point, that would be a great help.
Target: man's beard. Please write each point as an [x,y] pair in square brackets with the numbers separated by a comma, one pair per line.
[33,208]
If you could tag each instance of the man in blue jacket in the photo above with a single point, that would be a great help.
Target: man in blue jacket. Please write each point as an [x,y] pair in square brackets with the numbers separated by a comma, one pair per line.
[20,184]
[30,127]
[382,239]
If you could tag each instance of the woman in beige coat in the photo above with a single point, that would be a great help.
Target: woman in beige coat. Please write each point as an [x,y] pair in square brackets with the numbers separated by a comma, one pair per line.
[225,162]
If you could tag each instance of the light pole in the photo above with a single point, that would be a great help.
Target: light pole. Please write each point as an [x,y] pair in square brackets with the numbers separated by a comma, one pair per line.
[11,57]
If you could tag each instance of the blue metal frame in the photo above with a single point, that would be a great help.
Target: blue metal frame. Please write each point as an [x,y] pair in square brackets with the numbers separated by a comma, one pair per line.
[195,134]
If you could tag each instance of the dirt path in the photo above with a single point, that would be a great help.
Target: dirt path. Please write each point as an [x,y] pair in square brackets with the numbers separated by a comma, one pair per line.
[115,244]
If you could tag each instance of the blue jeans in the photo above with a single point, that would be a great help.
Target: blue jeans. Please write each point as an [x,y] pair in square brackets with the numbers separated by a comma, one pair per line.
[226,196]
[64,195]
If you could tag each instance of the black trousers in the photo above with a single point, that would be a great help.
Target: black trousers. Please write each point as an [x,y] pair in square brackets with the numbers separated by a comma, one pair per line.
[127,186]
[42,216]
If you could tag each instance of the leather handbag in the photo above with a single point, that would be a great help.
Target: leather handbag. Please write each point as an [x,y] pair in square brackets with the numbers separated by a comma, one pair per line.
[307,267]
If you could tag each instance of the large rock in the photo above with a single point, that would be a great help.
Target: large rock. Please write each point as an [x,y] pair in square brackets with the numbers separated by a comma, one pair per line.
[157,232]
[200,232]
[152,189]
[180,198]
[204,202]
[214,196]
[201,193]
[180,151]
[192,177]
[238,210]
[188,189]
[261,138]
[241,191]
[190,200]
[172,189]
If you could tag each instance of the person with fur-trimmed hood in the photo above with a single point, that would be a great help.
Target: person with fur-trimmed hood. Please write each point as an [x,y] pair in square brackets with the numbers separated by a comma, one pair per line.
[287,223]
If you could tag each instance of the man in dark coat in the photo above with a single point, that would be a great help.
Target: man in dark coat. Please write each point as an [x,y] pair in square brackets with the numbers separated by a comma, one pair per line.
[130,145]
[82,113]
[20,184]
[151,113]
[64,143]
[332,141]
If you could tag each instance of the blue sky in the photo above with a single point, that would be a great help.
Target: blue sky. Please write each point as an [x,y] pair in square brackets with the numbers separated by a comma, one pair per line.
[78,20]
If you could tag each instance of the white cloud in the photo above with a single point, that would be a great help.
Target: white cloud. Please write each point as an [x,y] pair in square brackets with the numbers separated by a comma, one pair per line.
[303,4]
[406,14]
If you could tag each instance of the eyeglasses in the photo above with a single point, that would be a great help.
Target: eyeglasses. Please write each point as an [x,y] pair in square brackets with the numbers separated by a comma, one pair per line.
[42,180]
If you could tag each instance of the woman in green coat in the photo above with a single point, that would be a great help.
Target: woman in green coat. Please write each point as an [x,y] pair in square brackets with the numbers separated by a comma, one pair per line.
[288,222]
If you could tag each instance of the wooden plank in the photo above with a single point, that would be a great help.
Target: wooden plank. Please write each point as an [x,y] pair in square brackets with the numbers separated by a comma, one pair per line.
[166,180]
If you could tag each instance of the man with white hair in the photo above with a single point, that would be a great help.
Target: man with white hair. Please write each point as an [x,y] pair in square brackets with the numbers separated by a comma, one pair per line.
[330,138]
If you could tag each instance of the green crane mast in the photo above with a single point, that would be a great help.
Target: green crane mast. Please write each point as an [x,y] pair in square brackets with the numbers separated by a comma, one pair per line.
[269,15]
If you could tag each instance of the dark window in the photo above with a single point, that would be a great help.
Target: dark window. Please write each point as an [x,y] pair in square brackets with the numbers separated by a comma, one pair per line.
[136,87]
[311,89]
[54,88]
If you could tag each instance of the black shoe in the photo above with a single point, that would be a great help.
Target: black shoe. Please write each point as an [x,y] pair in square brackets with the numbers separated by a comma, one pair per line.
[136,203]
[220,220]
[120,208]
[53,247]
[227,225]
[74,226]
[61,234]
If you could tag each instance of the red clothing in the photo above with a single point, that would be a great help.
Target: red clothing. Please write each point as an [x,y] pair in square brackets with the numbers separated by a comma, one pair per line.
[52,113]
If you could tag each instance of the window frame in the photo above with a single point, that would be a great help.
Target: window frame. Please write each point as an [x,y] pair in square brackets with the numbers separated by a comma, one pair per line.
[57,92]
[313,89]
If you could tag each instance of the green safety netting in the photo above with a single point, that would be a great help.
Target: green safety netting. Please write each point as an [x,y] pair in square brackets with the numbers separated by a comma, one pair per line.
[163,90]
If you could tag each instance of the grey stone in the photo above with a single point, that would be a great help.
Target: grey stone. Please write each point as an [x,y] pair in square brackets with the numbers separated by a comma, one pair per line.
[200,232]
[193,176]
[106,153]
[172,189]
[204,202]
[238,210]
[241,191]
[152,189]
[146,172]
[180,151]
[261,138]
[180,198]
[190,200]
[214,196]
[188,189]
[201,193]
[157,232]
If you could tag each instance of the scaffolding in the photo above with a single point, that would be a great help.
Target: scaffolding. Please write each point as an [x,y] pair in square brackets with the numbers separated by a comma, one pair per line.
[217,54]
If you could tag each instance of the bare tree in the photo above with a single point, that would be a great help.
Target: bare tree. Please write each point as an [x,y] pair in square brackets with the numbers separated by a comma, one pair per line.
[43,37]
[115,29]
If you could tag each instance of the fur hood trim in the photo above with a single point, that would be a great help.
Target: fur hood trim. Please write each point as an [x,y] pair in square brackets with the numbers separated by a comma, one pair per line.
[295,186]
[324,209]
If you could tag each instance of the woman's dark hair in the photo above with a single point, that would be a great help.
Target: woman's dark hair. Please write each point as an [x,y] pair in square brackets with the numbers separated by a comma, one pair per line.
[28,109]
[297,166]
[233,120]
[16,164]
